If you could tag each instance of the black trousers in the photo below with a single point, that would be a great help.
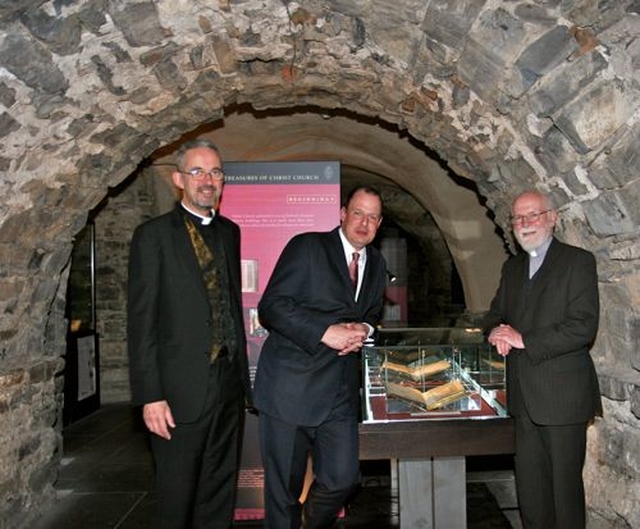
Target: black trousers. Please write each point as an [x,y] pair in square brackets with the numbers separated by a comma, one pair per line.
[333,446]
[548,468]
[196,471]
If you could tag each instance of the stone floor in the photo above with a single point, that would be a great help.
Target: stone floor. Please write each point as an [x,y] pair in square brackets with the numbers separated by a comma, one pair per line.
[106,474]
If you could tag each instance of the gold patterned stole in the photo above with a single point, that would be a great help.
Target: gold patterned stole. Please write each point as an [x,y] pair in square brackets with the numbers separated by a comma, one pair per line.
[207,263]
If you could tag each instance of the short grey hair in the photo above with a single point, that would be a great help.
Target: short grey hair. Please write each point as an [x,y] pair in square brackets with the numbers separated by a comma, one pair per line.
[194,144]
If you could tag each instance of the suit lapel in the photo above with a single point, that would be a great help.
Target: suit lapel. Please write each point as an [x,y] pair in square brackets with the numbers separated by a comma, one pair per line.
[536,286]
[370,271]
[337,259]
[519,284]
[548,265]
[546,271]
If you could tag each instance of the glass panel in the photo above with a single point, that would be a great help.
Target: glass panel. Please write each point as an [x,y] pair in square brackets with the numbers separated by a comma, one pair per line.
[81,287]
[432,373]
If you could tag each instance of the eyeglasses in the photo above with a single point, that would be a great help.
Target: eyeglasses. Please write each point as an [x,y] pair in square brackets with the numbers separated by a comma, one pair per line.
[198,173]
[530,218]
[360,215]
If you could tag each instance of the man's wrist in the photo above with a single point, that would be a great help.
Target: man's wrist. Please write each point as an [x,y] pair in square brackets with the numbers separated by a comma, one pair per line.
[371,331]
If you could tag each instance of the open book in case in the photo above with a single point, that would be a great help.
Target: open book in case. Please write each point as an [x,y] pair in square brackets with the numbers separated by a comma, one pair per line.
[430,373]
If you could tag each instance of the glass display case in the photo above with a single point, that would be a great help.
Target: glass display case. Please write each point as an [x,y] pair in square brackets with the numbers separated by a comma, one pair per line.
[431,397]
[415,374]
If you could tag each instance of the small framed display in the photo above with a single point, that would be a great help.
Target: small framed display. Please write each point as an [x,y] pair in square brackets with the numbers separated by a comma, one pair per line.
[82,380]
[87,353]
[82,370]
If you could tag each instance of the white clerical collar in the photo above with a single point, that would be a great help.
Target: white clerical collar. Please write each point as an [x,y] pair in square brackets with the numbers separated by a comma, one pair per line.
[540,250]
[205,220]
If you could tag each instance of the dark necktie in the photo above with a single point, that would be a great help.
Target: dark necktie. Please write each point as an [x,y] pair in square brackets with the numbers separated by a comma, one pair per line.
[353,269]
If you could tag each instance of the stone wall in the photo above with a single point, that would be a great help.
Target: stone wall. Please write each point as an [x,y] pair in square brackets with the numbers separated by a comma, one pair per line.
[131,204]
[509,94]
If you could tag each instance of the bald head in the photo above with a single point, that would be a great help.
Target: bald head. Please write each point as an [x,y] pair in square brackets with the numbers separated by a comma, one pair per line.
[533,219]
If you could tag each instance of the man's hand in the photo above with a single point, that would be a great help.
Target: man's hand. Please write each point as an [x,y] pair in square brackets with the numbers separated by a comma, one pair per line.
[502,347]
[504,337]
[158,418]
[345,337]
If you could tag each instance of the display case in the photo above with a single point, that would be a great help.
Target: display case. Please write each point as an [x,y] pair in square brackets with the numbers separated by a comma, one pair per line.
[432,373]
[430,398]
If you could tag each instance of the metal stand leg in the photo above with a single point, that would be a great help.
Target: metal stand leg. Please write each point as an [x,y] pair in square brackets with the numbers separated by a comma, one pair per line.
[433,493]
[394,476]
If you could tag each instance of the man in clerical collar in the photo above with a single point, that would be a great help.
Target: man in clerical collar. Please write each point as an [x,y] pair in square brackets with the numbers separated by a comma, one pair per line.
[187,345]
[543,320]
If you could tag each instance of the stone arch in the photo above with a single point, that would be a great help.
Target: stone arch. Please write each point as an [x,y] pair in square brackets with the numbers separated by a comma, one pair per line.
[510,95]
[371,147]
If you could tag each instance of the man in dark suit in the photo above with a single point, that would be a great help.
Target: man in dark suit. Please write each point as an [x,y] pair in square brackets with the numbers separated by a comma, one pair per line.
[187,350]
[544,319]
[318,311]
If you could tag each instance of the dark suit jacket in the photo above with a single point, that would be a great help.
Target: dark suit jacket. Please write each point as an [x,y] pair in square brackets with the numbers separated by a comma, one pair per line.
[169,315]
[309,290]
[557,314]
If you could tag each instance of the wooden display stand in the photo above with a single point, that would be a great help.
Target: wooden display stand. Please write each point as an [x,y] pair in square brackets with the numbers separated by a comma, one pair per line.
[431,465]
